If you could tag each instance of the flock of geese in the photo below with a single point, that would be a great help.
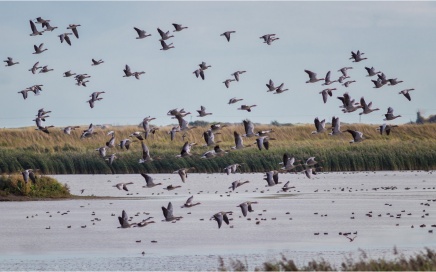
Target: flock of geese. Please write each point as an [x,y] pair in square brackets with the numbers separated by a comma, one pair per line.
[263,138]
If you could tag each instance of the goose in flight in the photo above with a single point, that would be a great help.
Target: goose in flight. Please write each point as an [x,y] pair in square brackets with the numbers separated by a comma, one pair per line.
[145,153]
[122,186]
[310,161]
[48,27]
[288,163]
[45,129]
[270,40]
[266,37]
[326,93]
[146,125]
[236,74]
[199,72]
[145,222]
[178,27]
[227,82]
[111,158]
[344,71]
[202,112]
[390,115]
[35,32]
[249,128]
[35,67]
[183,173]
[171,187]
[88,132]
[312,77]
[239,143]
[271,87]
[272,178]
[67,130]
[246,107]
[347,83]
[327,80]
[348,104]
[68,73]
[232,168]
[137,74]
[45,69]
[127,71]
[38,49]
[41,21]
[309,172]
[111,142]
[166,46]
[125,143]
[10,62]
[183,124]
[168,213]
[149,181]
[73,28]
[173,132]
[96,62]
[102,151]
[189,204]
[280,89]
[209,137]
[394,81]
[366,107]
[186,150]
[263,142]
[234,100]
[319,126]
[246,207]
[377,83]
[137,134]
[65,37]
[24,93]
[383,79]
[141,33]
[386,128]
[220,217]
[371,71]
[237,183]
[286,187]
[164,35]
[204,66]
[28,173]
[124,221]
[357,135]
[336,126]
[92,101]
[357,57]
[95,95]
[406,94]
[227,34]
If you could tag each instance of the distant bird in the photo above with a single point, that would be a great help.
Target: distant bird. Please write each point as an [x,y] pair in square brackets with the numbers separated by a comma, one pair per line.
[68,73]
[344,71]
[88,132]
[171,187]
[168,213]
[165,46]
[125,143]
[67,130]
[246,207]
[351,239]
[202,112]
[227,34]
[35,32]
[266,37]
[24,93]
[382,78]
[73,28]
[280,89]
[312,77]
[239,144]
[28,174]
[111,142]
[220,217]
[102,151]
[204,66]
[186,150]
[124,221]
[141,33]
[64,37]
[178,27]
[145,153]
[137,74]
[326,93]
[199,72]
[272,178]
[227,82]
[38,49]
[45,129]
[10,62]
[48,27]
[319,126]
[96,62]
[164,35]
[127,71]
[390,115]
[111,158]
[310,161]
[357,57]
[35,67]
[246,107]
[348,104]
[123,186]
[232,168]
[234,100]
[309,172]
[366,107]
[327,80]
[189,204]
[394,81]
[149,181]
[173,132]
[347,83]
[386,128]
[286,187]
[357,135]
[95,95]
[271,87]
[249,128]
[92,101]
[237,183]
[377,83]
[45,69]
[406,94]
[236,74]
[371,71]
[137,134]
[288,163]
[336,126]
[39,20]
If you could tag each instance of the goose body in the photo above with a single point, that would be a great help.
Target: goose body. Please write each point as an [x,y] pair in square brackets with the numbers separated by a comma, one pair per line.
[390,115]
[357,136]
[247,207]
[202,112]
[64,37]
[234,100]
[168,213]
[166,46]
[149,181]
[227,35]
[326,93]
[164,35]
[73,28]
[312,77]
[141,33]
[319,126]
[366,107]
[38,49]
[178,27]
[220,217]
[10,62]
[122,186]
[406,94]
[189,203]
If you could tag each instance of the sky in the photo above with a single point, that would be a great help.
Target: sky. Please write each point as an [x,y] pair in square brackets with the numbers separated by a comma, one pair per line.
[396,37]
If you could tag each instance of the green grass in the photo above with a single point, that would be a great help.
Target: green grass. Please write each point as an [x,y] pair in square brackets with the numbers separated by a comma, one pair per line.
[409,147]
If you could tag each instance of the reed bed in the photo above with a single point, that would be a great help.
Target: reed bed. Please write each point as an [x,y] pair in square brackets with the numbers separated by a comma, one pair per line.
[409,147]
[44,187]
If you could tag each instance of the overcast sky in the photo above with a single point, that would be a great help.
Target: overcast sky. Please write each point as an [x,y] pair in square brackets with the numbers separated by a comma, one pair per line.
[398,38]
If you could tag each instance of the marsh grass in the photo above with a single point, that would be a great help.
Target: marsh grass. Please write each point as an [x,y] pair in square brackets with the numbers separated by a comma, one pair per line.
[422,261]
[409,147]
[44,187]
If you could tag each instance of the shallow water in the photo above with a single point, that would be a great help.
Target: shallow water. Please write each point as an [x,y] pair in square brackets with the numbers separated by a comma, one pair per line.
[303,223]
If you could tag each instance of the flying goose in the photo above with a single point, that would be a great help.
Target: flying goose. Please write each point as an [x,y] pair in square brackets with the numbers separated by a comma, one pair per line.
[183,173]
[67,130]
[146,125]
[92,101]
[227,34]
[149,181]
[125,143]
[102,151]
[357,57]
[35,32]
[386,128]
[239,143]
[394,81]
[348,104]
[220,217]
[189,204]
[336,126]
[312,77]
[178,27]
[166,46]
[383,78]
[344,71]
[65,37]
[127,71]
[390,115]
[24,93]
[319,126]
[124,221]
[272,178]
[204,66]
[377,83]
[41,21]
[371,71]
[45,129]
[88,132]
[202,112]
[68,73]
[234,100]
[168,213]
[137,134]
[266,37]
[309,172]
[186,150]
[145,154]
[48,27]
[164,35]
[249,128]
[42,113]
[347,83]
[286,187]
[38,49]
[199,72]
[237,73]
[171,187]
[246,107]
[173,132]
[263,142]
[246,207]
[357,135]
[270,40]
[280,89]
[145,222]
[10,62]
[45,69]
[137,74]
[326,93]
[327,80]
[141,33]
[111,142]
[232,168]
[73,28]
[35,67]
[122,186]
[406,94]
[310,161]
[366,107]
[271,87]
[288,162]
[111,158]
[96,62]
[28,173]
[227,82]
[237,183]
[209,138]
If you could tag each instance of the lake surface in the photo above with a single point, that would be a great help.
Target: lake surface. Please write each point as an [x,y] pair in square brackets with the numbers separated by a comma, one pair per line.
[303,223]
